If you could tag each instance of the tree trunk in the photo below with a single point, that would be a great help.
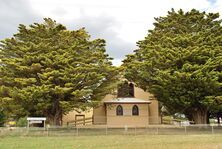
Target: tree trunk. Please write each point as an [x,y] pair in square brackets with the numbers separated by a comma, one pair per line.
[208,117]
[218,120]
[55,119]
[189,117]
[200,116]
[55,115]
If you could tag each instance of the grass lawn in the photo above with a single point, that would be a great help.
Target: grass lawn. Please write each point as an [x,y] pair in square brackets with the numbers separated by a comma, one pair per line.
[114,142]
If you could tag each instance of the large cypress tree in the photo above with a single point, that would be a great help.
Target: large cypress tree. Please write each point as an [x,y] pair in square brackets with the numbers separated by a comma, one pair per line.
[180,62]
[47,70]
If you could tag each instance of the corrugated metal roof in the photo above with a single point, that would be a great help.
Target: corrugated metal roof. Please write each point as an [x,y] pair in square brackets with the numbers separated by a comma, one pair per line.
[128,100]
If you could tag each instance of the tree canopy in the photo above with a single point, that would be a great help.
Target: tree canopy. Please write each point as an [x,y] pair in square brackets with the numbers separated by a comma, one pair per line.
[47,70]
[180,62]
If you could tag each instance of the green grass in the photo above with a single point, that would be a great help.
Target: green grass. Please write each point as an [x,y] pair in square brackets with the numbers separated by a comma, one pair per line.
[114,142]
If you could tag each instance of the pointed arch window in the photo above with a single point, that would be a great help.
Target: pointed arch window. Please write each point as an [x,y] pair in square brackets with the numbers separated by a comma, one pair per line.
[135,110]
[119,110]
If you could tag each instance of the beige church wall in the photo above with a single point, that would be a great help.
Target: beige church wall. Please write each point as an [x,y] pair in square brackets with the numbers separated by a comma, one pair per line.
[139,93]
[71,115]
[154,117]
[153,107]
[127,118]
[99,112]
[99,115]
[109,97]
[148,114]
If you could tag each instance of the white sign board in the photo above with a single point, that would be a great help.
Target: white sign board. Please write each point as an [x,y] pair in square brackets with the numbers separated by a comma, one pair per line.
[35,122]
[36,118]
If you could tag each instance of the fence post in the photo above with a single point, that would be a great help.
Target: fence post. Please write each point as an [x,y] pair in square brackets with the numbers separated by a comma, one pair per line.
[135,130]
[1,131]
[77,131]
[27,130]
[125,129]
[212,129]
[185,128]
[106,130]
[157,130]
[47,131]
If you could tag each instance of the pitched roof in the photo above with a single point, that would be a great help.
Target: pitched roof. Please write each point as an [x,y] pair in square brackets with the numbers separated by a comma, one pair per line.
[128,100]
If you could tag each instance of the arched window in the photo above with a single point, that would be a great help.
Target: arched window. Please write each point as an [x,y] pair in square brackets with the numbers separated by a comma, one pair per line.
[135,110]
[119,110]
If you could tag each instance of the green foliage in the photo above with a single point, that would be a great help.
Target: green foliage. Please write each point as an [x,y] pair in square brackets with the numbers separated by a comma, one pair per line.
[180,61]
[48,70]
[22,122]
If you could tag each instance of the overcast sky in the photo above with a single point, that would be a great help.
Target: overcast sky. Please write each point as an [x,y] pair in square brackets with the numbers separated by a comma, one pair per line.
[120,22]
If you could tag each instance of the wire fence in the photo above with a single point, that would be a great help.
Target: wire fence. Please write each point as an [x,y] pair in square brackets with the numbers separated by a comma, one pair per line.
[112,130]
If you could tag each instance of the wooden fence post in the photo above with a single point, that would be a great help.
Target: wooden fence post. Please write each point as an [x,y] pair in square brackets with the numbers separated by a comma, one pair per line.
[106,130]
[135,130]
[77,131]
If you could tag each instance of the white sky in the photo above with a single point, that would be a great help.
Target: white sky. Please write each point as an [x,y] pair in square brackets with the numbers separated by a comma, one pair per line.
[120,22]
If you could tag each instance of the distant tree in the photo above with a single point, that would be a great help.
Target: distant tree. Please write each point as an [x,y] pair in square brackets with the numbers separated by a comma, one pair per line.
[180,62]
[47,70]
